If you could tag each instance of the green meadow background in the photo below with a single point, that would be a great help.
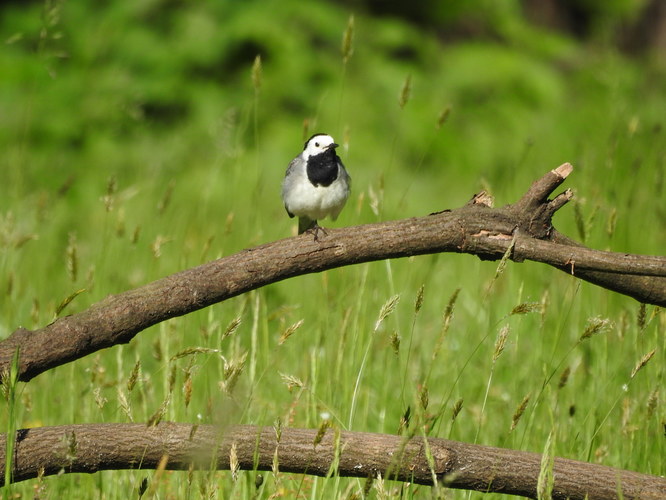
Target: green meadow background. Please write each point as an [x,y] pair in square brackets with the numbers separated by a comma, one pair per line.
[142,138]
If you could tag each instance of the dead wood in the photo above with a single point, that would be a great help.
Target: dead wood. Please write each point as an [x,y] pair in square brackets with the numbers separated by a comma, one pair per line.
[94,447]
[522,230]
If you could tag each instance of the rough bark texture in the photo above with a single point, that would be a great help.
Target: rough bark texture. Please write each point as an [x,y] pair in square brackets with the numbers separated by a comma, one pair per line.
[523,228]
[94,447]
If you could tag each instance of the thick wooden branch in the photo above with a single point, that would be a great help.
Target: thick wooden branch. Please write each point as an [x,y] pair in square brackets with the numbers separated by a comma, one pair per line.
[524,228]
[95,447]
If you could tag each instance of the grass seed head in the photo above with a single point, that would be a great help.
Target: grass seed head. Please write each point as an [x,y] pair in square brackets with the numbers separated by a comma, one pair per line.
[192,351]
[291,381]
[134,375]
[652,402]
[612,220]
[72,446]
[564,377]
[232,327]
[443,117]
[519,412]
[367,485]
[546,479]
[143,486]
[424,397]
[347,47]
[232,370]
[229,222]
[457,407]
[187,388]
[596,326]
[156,418]
[395,343]
[5,384]
[545,302]
[135,235]
[321,431]
[644,361]
[99,399]
[67,300]
[277,427]
[375,202]
[165,201]
[405,92]
[386,310]
[306,129]
[124,404]
[418,303]
[72,258]
[289,332]
[641,317]
[108,198]
[380,488]
[172,377]
[526,308]
[346,138]
[505,258]
[448,312]
[405,419]
[234,466]
[156,245]
[10,283]
[257,73]
[500,342]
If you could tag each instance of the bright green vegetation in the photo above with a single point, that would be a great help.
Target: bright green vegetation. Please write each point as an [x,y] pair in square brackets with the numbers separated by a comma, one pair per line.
[135,143]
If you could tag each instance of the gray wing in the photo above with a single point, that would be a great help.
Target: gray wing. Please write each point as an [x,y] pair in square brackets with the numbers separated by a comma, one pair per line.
[344,175]
[293,164]
[290,177]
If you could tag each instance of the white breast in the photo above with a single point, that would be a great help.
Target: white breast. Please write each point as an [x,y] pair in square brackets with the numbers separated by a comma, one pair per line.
[315,202]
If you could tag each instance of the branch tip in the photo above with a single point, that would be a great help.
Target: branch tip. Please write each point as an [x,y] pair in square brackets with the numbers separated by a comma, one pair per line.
[560,200]
[564,170]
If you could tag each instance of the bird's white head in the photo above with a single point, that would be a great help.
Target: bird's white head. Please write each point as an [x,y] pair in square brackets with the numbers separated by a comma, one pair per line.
[317,144]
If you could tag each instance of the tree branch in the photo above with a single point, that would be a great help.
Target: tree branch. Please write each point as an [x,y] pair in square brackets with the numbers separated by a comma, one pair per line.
[95,447]
[525,228]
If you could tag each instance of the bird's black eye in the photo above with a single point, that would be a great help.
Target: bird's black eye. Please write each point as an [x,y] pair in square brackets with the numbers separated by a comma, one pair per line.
[316,144]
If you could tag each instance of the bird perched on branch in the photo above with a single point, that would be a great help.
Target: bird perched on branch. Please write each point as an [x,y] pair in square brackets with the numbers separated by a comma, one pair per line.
[316,184]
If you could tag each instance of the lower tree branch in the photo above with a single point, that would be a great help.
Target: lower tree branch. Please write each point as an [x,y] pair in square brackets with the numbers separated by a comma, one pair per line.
[523,231]
[95,447]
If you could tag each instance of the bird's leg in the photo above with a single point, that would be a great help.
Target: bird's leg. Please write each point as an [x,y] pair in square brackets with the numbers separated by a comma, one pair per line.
[305,224]
[314,229]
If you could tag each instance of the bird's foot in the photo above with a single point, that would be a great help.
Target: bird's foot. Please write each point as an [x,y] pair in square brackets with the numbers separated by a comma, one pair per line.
[314,230]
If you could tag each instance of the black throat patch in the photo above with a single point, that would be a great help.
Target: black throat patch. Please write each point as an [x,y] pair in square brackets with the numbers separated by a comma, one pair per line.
[323,168]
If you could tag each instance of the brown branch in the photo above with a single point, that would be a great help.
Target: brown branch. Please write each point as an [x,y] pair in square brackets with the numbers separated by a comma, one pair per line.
[474,228]
[95,447]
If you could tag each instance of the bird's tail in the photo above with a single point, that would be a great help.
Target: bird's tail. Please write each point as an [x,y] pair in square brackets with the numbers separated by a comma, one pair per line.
[305,223]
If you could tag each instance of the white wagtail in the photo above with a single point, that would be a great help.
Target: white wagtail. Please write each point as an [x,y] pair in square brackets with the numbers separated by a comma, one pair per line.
[316,184]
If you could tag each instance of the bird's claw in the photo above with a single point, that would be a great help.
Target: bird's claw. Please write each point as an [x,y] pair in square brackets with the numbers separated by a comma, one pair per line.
[314,230]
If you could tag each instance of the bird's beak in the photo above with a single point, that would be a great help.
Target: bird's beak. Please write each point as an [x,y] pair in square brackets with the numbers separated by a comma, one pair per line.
[333,146]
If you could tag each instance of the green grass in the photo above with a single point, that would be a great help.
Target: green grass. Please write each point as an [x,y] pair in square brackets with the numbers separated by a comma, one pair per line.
[147,150]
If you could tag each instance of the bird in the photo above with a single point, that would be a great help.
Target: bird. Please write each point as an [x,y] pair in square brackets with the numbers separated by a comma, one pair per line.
[316,184]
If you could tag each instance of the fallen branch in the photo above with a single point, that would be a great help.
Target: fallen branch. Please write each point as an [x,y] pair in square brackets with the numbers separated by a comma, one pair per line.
[95,447]
[523,229]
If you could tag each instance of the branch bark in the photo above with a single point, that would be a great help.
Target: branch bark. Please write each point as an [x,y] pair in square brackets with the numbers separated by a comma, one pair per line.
[95,447]
[522,230]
